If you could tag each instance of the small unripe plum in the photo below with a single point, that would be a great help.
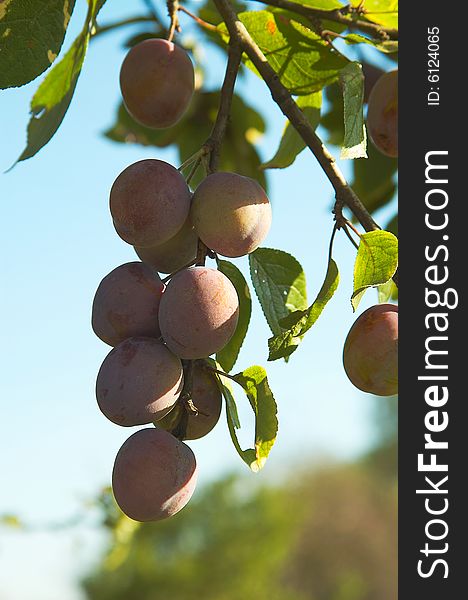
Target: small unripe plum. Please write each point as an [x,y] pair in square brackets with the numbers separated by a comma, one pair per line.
[154,475]
[370,354]
[126,304]
[149,202]
[382,115]
[157,83]
[138,382]
[198,312]
[231,213]
[206,398]
[174,254]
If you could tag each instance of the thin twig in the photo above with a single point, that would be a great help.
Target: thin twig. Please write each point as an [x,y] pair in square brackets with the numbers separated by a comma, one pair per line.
[173,9]
[213,370]
[193,170]
[349,236]
[332,239]
[171,275]
[227,91]
[344,16]
[298,120]
[201,22]
[351,226]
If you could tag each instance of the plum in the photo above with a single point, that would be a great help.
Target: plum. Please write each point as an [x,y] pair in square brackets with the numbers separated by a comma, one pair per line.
[154,475]
[157,83]
[126,304]
[198,313]
[370,355]
[231,213]
[138,382]
[149,203]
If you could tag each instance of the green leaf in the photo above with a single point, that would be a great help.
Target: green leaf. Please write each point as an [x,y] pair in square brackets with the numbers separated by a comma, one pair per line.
[238,153]
[31,35]
[355,139]
[376,262]
[382,12]
[291,142]
[52,99]
[333,120]
[248,456]
[386,291]
[387,46]
[255,384]
[279,283]
[305,63]
[298,323]
[228,355]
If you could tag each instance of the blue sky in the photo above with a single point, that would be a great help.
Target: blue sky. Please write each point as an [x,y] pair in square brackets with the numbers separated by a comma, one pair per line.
[57,243]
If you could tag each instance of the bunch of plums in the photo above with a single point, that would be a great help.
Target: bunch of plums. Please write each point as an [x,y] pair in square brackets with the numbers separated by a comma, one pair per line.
[157,372]
[370,354]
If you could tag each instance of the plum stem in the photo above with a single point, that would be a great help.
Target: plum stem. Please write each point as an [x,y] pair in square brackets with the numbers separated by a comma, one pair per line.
[218,372]
[171,275]
[201,22]
[173,10]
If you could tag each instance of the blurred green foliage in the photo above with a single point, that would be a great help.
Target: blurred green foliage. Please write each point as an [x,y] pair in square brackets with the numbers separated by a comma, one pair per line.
[321,534]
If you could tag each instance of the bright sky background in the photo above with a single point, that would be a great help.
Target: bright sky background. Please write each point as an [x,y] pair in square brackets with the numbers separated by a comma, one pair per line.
[57,243]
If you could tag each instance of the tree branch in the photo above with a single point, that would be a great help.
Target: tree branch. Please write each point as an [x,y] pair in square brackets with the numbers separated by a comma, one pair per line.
[212,147]
[344,16]
[213,144]
[283,98]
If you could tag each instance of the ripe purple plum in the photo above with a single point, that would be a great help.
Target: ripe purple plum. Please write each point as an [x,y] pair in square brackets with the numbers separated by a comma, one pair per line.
[198,313]
[149,203]
[206,398]
[126,304]
[154,475]
[174,254]
[231,213]
[370,354]
[157,83]
[382,115]
[138,382]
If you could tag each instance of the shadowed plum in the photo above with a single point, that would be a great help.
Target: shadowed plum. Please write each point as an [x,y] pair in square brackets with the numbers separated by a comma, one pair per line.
[198,312]
[138,382]
[370,354]
[149,203]
[154,475]
[382,115]
[174,254]
[126,304]
[231,213]
[206,398]
[157,83]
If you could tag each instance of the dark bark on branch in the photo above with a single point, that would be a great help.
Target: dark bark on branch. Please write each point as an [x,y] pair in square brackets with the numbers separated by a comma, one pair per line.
[288,106]
[343,16]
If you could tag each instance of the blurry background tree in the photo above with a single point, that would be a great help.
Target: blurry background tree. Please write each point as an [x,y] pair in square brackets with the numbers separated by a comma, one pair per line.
[324,533]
